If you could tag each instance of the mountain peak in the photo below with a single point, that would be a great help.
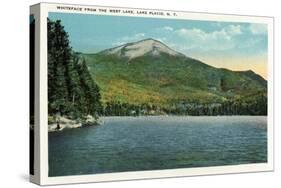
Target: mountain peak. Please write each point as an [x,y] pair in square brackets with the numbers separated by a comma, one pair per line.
[147,46]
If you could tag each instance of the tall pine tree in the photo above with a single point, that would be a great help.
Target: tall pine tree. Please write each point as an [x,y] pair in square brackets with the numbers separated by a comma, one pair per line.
[72,91]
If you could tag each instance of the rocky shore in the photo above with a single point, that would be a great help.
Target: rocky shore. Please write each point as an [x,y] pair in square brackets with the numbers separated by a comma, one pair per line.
[66,123]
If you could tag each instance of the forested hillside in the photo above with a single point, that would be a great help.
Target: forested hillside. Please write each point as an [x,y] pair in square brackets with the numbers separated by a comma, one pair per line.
[147,78]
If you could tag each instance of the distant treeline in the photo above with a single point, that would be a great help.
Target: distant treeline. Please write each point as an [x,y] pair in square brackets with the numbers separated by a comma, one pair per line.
[254,105]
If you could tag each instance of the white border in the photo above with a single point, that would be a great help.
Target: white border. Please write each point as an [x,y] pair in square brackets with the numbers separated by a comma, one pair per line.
[45,8]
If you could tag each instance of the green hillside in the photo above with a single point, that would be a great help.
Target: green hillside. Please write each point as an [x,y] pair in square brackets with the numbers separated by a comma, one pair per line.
[157,78]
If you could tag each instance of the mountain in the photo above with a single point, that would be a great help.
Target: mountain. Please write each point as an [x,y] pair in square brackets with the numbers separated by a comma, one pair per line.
[137,49]
[150,72]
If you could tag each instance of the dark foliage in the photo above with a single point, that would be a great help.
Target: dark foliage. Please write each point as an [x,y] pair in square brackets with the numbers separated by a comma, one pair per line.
[249,105]
[71,89]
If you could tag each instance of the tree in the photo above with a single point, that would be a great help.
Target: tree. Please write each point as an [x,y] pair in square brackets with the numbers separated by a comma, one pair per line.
[71,89]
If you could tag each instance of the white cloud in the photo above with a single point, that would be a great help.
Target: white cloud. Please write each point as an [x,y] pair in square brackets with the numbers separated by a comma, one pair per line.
[168,28]
[139,35]
[258,29]
[216,40]
[234,29]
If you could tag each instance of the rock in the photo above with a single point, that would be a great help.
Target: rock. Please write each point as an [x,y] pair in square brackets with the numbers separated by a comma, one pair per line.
[90,120]
[64,123]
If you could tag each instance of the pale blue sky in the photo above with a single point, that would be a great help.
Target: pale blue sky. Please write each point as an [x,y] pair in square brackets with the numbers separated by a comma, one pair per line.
[206,40]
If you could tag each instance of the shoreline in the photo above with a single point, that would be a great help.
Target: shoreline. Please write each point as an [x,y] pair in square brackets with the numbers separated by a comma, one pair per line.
[181,116]
[187,116]
[73,124]
[66,123]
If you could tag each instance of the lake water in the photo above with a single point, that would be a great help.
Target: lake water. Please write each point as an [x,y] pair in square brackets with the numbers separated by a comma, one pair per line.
[152,143]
